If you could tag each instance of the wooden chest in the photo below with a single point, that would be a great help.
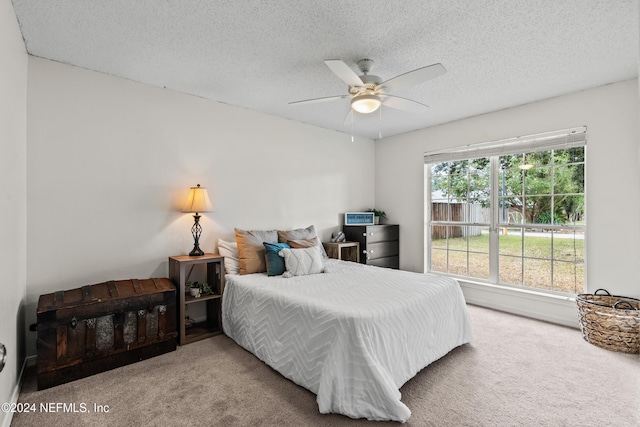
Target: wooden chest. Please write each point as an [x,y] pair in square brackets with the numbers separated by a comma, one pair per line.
[92,329]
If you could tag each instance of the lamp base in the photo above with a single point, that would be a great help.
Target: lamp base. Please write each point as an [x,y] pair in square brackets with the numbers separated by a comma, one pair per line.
[196,251]
[196,230]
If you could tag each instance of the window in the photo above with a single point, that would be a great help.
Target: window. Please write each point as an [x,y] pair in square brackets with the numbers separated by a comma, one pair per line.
[509,212]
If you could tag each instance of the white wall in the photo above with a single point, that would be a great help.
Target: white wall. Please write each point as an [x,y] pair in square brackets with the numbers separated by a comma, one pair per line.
[13,143]
[109,162]
[613,183]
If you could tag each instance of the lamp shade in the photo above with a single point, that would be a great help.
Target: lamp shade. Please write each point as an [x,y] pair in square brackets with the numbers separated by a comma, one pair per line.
[198,200]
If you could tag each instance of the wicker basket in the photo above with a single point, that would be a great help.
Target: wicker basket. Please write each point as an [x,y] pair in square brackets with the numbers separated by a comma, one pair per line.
[610,321]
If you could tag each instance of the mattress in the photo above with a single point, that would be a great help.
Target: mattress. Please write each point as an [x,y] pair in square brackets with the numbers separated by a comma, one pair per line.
[352,335]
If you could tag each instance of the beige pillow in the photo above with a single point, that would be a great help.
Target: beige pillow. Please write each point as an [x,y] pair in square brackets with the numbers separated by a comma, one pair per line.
[300,243]
[251,249]
[301,234]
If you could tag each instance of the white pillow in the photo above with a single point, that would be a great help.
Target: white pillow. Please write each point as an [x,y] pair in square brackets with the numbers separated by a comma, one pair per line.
[303,261]
[229,250]
[302,234]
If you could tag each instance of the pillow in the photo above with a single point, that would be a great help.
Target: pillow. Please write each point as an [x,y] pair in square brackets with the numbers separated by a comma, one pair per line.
[303,243]
[275,264]
[229,250]
[251,251]
[301,234]
[303,261]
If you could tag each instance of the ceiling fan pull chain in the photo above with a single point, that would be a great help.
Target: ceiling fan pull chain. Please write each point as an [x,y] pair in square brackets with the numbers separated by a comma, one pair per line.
[351,112]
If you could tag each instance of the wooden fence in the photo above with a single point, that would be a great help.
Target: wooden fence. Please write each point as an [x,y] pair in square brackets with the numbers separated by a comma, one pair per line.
[463,212]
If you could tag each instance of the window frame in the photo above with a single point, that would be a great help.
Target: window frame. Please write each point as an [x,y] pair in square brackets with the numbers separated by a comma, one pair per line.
[557,140]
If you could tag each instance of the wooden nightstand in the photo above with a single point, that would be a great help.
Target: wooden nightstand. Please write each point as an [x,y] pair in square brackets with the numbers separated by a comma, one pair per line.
[215,278]
[347,251]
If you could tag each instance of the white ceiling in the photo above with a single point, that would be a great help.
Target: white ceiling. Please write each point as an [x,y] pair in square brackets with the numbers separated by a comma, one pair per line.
[261,54]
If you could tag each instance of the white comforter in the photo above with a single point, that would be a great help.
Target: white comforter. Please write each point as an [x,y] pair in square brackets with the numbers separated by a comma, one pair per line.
[353,335]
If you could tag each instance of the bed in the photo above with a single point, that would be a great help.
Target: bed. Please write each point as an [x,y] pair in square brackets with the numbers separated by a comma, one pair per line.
[352,335]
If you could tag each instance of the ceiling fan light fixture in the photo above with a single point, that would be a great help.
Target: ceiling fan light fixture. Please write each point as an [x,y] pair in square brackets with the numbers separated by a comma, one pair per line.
[365,104]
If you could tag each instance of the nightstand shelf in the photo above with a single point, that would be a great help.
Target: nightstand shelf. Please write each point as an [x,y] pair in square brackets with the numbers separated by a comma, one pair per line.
[188,299]
[346,251]
[198,331]
[179,267]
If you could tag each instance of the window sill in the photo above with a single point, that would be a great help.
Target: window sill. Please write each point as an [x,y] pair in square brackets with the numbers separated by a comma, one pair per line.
[554,308]
[532,293]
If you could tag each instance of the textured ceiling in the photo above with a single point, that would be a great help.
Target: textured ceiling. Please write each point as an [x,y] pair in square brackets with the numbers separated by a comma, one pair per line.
[261,54]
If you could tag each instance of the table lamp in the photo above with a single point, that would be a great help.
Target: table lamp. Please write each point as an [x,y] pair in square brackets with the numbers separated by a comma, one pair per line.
[198,201]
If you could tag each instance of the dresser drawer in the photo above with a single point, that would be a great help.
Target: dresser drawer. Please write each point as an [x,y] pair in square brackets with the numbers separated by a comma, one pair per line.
[381,250]
[381,234]
[388,262]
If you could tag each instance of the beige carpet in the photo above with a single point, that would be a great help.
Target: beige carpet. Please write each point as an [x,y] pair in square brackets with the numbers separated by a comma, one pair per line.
[517,372]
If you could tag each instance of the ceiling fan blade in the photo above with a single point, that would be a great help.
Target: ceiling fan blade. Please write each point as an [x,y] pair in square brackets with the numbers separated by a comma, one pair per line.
[343,71]
[414,77]
[316,100]
[404,104]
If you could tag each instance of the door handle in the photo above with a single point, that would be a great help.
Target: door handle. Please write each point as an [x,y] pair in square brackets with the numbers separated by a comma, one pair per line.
[3,356]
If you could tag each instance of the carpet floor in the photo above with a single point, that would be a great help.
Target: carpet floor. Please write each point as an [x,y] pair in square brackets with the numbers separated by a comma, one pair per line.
[517,372]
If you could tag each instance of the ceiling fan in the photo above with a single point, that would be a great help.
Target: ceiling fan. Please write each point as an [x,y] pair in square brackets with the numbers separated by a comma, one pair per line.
[369,92]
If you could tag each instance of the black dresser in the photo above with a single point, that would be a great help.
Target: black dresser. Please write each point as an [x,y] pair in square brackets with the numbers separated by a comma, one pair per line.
[379,244]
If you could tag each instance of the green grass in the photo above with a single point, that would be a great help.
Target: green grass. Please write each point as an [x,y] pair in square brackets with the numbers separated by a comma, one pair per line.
[533,255]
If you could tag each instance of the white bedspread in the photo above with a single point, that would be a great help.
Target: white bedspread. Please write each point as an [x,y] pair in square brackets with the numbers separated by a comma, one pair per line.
[353,335]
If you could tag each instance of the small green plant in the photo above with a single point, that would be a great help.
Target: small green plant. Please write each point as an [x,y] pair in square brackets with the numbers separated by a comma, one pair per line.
[205,288]
[376,212]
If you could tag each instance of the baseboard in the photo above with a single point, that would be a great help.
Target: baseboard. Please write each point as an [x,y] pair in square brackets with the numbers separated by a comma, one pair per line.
[558,309]
[32,360]
[6,417]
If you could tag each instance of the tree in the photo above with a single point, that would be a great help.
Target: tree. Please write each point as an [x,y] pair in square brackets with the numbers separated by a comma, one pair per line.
[466,181]
[545,187]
